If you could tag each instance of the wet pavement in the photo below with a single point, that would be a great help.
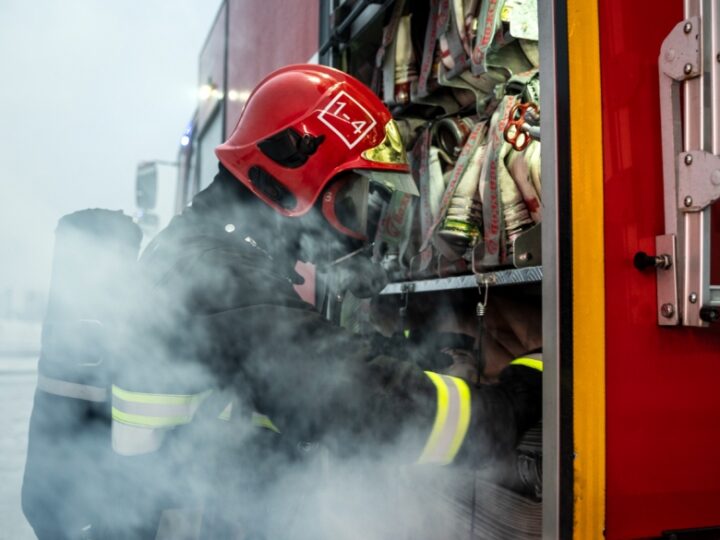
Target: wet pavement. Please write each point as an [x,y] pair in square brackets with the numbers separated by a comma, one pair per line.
[17,386]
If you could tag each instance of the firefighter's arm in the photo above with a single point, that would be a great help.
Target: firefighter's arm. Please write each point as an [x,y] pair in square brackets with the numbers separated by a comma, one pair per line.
[462,423]
[501,413]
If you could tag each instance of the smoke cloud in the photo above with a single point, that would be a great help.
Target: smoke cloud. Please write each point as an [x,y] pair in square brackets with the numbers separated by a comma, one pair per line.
[324,475]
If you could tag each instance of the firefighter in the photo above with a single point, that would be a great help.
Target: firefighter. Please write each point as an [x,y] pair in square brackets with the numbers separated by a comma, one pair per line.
[222,353]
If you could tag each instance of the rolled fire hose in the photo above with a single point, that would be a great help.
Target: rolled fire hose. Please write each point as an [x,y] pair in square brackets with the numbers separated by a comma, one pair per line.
[405,62]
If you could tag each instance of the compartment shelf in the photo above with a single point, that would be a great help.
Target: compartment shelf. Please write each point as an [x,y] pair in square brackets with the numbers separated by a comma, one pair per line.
[511,276]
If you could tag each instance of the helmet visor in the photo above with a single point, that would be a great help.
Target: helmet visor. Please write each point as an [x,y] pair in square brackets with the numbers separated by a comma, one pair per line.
[354,203]
[351,204]
[345,205]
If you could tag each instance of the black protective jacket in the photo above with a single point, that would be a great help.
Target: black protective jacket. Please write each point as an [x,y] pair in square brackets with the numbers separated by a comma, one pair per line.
[218,312]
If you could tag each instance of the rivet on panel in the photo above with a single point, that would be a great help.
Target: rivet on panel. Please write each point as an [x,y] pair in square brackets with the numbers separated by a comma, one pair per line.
[715,177]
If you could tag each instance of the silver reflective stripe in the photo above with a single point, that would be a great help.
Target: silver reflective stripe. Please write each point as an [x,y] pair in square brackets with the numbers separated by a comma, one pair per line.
[451,420]
[135,440]
[58,387]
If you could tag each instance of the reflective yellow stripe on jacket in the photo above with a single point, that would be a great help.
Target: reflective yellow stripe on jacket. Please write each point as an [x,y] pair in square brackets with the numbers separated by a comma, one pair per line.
[452,419]
[154,410]
[533,361]
[257,419]
[140,420]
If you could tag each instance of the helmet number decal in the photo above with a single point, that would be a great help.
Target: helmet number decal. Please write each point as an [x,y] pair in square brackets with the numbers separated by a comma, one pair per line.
[347,119]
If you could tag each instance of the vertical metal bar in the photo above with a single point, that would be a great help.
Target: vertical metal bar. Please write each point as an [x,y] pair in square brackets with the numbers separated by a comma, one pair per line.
[709,74]
[226,67]
[692,90]
[693,293]
[553,33]
[711,53]
[671,133]
[325,7]
[700,265]
[695,250]
[711,115]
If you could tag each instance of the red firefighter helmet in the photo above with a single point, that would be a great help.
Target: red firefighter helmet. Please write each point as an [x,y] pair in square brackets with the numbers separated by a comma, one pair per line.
[304,125]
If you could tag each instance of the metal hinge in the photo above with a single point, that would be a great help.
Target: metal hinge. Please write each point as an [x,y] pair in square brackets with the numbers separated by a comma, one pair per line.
[689,110]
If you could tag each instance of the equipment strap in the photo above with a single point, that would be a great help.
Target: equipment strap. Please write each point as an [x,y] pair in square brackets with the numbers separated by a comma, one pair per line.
[519,168]
[443,18]
[389,32]
[515,213]
[436,188]
[523,166]
[428,56]
[58,387]
[493,223]
[454,44]
[532,155]
[426,167]
[452,420]
[488,22]
[384,63]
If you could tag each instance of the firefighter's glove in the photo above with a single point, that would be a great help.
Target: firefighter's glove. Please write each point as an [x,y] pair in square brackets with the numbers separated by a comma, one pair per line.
[464,364]
[443,352]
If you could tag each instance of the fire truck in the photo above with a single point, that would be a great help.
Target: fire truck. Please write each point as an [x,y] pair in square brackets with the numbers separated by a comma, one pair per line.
[616,246]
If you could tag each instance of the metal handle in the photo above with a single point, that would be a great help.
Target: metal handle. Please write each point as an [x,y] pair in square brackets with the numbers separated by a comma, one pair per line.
[643,261]
[690,124]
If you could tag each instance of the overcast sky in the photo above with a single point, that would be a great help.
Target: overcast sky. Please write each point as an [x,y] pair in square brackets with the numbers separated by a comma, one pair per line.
[88,88]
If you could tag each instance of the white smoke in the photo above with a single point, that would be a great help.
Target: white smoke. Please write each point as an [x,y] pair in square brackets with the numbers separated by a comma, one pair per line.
[326,475]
